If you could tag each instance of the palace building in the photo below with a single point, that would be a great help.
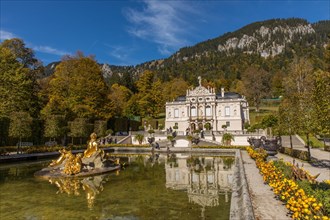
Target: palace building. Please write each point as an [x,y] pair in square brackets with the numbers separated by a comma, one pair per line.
[204,109]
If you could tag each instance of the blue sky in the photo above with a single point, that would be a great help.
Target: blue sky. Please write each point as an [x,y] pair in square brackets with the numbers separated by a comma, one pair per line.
[130,32]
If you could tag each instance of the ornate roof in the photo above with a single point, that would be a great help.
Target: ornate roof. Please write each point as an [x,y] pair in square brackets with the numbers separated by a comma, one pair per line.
[200,90]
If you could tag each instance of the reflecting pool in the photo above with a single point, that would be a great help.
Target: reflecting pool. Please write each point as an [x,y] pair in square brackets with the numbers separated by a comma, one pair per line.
[175,186]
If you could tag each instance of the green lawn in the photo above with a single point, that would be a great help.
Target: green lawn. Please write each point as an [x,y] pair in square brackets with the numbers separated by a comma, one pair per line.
[263,111]
[315,143]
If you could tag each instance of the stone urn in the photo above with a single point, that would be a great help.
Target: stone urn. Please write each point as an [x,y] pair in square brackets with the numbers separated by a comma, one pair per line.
[255,142]
[271,146]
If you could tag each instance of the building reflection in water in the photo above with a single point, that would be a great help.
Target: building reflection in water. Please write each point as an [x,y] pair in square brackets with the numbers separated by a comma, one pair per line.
[204,178]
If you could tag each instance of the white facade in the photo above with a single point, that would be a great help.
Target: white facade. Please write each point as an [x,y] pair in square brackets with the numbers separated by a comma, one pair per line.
[203,106]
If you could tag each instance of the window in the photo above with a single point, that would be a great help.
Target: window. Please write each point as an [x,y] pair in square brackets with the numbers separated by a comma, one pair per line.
[193,111]
[208,111]
[228,124]
[227,111]
[176,113]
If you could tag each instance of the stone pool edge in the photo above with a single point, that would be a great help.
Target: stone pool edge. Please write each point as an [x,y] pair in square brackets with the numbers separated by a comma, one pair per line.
[241,204]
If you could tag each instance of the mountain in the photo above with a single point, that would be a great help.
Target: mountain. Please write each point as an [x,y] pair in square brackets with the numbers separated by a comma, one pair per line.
[270,44]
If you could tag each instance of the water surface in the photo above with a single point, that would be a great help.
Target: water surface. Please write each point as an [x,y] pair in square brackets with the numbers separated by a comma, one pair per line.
[172,186]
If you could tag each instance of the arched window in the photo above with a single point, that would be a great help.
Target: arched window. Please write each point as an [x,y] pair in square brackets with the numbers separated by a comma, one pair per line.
[208,111]
[193,111]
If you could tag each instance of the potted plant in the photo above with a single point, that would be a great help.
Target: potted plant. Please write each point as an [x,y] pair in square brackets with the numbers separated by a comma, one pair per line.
[151,131]
[208,126]
[227,138]
[171,139]
[139,138]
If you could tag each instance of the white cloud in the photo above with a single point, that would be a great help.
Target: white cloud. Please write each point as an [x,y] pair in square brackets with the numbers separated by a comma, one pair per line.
[49,50]
[163,22]
[5,35]
[121,53]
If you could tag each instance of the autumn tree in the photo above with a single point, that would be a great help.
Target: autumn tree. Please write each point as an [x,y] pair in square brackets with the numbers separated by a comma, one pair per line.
[174,88]
[256,85]
[119,96]
[19,89]
[18,76]
[149,99]
[277,86]
[78,90]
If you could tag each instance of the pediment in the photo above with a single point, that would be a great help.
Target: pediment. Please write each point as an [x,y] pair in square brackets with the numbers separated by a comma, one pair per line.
[200,90]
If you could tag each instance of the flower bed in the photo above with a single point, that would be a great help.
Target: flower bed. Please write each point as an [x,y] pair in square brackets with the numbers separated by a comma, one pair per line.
[304,200]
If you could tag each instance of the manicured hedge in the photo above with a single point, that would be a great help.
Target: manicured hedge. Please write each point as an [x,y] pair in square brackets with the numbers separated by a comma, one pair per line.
[300,154]
[221,147]
[42,149]
[125,145]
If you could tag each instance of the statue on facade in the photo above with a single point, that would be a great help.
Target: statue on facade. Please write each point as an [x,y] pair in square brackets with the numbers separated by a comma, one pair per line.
[199,80]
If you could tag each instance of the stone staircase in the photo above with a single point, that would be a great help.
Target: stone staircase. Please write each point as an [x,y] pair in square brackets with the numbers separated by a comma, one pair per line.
[296,142]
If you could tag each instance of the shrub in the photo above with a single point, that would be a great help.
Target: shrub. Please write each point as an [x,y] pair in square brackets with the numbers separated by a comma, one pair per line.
[300,154]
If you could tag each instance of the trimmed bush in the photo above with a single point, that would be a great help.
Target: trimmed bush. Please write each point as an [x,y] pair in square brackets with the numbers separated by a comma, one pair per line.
[300,154]
[222,147]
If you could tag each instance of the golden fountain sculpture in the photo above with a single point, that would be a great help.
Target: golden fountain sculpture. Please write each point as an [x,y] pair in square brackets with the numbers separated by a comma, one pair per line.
[92,162]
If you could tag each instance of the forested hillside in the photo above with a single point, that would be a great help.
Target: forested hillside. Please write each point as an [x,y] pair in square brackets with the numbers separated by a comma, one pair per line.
[270,45]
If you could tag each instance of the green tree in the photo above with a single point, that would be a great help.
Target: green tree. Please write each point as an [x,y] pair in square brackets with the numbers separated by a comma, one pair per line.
[321,101]
[55,126]
[298,88]
[80,128]
[20,125]
[269,122]
[100,128]
[287,115]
